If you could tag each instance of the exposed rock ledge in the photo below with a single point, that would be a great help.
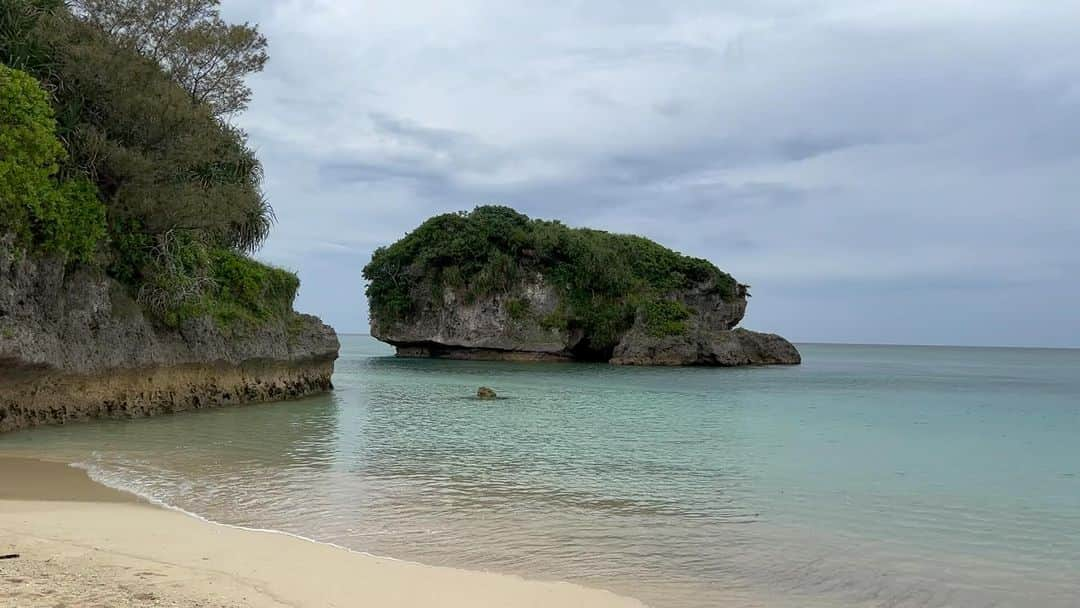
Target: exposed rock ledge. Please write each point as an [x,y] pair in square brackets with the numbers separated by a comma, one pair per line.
[75,346]
[488,329]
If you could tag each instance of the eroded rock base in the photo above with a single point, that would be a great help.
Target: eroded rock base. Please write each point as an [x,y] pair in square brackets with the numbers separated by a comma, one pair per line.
[441,351]
[31,397]
[724,348]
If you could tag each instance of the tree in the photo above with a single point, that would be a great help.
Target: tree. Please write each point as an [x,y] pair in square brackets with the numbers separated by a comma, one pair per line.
[206,56]
[132,168]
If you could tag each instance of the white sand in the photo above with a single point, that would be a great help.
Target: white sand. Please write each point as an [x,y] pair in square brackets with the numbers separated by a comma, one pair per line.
[83,545]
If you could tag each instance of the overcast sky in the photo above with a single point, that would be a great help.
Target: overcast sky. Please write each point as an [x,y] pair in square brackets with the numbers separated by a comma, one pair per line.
[900,171]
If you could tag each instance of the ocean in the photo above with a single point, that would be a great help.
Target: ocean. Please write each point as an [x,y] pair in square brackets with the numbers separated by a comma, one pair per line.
[896,476]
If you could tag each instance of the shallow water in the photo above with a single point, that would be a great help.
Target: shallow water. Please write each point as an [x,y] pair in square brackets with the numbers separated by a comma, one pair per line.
[869,476]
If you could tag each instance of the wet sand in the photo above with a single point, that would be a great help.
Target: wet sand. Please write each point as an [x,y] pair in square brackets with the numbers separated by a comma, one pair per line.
[83,544]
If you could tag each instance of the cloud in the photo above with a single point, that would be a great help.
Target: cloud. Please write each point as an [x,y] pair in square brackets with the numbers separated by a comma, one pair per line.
[878,158]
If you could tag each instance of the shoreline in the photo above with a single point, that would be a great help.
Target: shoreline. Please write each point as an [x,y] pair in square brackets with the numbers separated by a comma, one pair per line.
[80,540]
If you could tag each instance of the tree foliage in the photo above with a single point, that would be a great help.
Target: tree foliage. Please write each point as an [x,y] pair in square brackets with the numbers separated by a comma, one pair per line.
[20,47]
[605,278]
[158,157]
[29,151]
[138,88]
[64,217]
[665,317]
[206,56]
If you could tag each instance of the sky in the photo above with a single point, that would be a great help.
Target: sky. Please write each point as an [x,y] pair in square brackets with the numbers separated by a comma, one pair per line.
[897,171]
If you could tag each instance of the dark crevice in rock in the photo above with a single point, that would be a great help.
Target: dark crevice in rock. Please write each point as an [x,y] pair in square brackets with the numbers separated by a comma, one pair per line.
[582,352]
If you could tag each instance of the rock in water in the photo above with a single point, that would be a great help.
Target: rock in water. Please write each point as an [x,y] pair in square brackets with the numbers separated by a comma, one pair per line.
[485,393]
[495,284]
[732,348]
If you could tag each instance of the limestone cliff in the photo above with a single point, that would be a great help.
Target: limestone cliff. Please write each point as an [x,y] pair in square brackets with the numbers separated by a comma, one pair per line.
[532,290]
[74,345]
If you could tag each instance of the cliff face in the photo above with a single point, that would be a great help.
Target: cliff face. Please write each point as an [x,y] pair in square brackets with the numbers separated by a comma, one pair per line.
[510,325]
[453,326]
[75,345]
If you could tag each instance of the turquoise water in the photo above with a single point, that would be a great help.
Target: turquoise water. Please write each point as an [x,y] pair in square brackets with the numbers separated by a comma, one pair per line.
[868,476]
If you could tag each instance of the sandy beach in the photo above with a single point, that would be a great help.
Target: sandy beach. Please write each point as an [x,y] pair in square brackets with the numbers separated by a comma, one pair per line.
[83,544]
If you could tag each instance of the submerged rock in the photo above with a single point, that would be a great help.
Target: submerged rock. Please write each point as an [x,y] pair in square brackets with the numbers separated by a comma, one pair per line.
[485,393]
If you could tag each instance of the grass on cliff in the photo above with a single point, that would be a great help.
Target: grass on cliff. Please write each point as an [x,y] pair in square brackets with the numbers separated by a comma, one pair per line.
[605,278]
[189,279]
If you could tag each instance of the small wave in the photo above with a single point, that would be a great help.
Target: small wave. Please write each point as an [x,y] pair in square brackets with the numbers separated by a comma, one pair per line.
[99,475]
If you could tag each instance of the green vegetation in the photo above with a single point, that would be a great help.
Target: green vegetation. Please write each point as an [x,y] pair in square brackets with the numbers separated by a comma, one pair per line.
[665,317]
[63,217]
[114,151]
[517,308]
[252,291]
[207,57]
[606,278]
[190,280]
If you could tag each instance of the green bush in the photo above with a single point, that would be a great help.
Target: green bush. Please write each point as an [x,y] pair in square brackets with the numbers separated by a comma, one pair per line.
[258,290]
[132,246]
[73,221]
[30,153]
[665,317]
[59,217]
[604,277]
[188,279]
[517,308]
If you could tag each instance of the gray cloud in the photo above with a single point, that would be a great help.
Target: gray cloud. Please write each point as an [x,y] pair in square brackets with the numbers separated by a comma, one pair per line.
[879,171]
[425,136]
[359,172]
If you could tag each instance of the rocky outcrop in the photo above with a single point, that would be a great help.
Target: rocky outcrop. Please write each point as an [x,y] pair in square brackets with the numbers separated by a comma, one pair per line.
[502,326]
[720,348]
[74,345]
[513,325]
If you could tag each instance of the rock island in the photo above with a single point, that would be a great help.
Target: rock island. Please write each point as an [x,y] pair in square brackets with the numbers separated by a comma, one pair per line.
[495,284]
